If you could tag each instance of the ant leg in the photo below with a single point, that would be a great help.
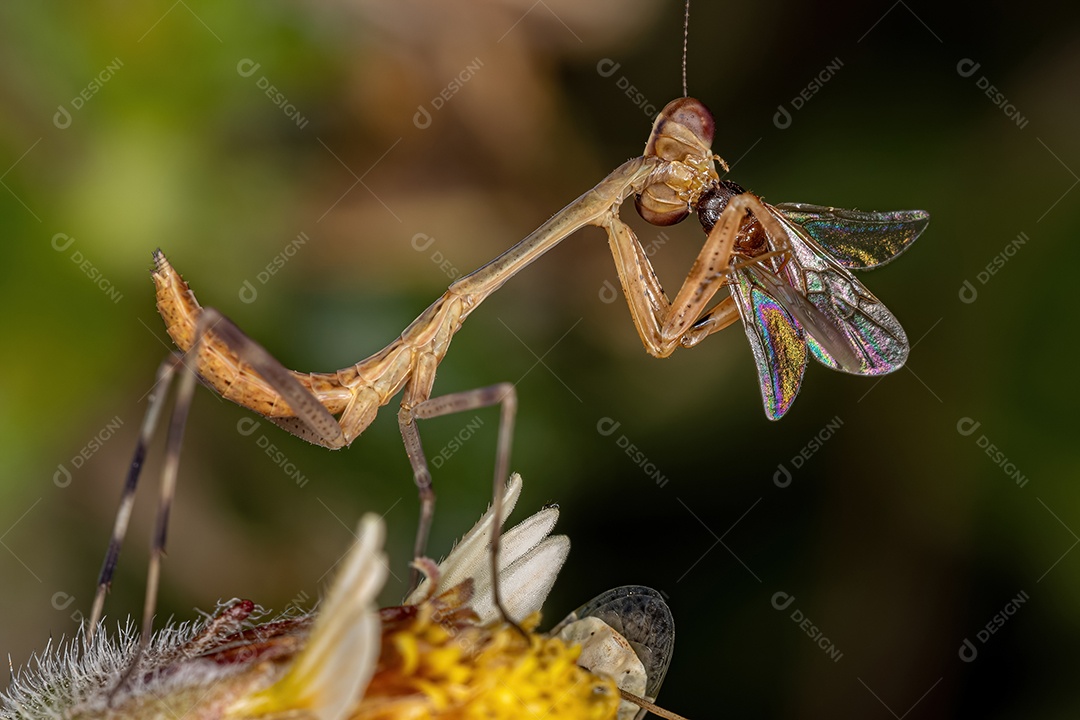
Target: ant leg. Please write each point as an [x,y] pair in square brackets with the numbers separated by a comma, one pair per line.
[647,704]
[722,315]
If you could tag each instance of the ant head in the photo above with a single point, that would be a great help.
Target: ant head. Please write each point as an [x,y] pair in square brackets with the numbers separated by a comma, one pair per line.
[682,133]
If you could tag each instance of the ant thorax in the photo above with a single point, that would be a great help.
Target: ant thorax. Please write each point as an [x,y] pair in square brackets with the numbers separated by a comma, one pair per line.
[751,240]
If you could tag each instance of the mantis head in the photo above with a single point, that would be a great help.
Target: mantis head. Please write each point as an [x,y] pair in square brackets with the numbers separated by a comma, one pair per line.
[682,135]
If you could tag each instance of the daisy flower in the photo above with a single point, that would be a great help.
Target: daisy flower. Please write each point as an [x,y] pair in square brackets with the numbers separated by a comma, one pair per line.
[445,653]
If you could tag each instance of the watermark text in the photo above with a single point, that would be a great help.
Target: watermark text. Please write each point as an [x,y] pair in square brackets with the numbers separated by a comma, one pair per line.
[61,242]
[782,476]
[247,427]
[968,650]
[782,117]
[248,292]
[62,118]
[967,427]
[968,292]
[608,67]
[457,442]
[607,427]
[248,67]
[782,601]
[422,117]
[62,477]
[967,68]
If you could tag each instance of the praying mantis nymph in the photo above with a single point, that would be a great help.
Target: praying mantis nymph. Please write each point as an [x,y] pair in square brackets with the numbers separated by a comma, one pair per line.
[788,267]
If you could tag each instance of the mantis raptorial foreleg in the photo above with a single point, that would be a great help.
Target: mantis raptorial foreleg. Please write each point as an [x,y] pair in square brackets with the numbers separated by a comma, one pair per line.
[667,325]
[746,244]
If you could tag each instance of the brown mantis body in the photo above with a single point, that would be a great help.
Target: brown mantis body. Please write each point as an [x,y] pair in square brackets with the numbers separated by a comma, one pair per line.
[675,176]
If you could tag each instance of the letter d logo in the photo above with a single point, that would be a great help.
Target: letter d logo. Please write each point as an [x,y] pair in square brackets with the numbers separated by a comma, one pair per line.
[782,477]
[781,600]
[782,118]
[246,426]
[62,118]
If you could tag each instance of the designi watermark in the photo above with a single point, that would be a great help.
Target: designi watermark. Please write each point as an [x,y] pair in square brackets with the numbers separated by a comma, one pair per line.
[782,601]
[968,292]
[782,118]
[422,241]
[247,427]
[967,68]
[63,476]
[782,477]
[968,650]
[607,427]
[422,118]
[248,67]
[457,442]
[62,117]
[608,67]
[61,242]
[967,427]
[248,292]
[62,601]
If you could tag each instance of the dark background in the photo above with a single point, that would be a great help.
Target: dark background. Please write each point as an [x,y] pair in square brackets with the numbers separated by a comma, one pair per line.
[898,538]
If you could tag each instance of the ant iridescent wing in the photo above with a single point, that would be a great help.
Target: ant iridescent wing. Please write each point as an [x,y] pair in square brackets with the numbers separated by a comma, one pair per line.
[808,302]
[855,239]
[825,244]
[777,339]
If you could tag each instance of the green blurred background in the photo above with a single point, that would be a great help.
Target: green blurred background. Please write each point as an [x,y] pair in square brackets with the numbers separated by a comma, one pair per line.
[899,537]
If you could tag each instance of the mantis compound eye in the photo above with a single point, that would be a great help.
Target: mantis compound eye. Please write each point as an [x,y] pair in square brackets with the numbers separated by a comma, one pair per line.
[681,135]
[683,130]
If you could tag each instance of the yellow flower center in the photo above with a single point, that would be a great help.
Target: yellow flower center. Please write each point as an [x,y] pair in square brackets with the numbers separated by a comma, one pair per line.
[427,669]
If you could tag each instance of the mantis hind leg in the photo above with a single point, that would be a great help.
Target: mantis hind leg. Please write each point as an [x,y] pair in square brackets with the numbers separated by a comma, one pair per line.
[312,416]
[162,383]
[502,394]
[177,423]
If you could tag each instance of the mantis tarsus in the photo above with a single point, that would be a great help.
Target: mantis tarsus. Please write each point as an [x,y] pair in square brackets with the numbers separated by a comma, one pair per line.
[788,267]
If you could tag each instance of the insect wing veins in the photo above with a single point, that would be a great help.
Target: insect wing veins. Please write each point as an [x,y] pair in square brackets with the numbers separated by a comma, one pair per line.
[876,342]
[858,240]
[776,338]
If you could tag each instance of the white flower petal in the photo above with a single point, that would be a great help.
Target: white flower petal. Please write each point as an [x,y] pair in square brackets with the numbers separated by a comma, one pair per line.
[329,677]
[524,536]
[525,584]
[471,552]
[529,562]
